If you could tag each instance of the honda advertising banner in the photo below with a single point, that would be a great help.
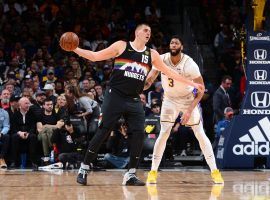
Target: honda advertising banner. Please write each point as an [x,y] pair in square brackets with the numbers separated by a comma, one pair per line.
[245,142]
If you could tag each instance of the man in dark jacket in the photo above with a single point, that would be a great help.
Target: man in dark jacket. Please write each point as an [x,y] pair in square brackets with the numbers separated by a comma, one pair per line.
[221,98]
[24,138]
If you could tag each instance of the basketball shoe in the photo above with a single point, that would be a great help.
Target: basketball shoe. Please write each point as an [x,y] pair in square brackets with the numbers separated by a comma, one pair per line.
[152,177]
[82,174]
[132,179]
[217,177]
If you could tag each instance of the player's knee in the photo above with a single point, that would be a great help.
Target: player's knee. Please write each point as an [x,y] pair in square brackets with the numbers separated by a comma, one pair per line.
[165,128]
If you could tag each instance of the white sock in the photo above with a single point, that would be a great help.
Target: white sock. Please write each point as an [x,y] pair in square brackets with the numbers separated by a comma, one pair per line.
[84,166]
[205,146]
[160,144]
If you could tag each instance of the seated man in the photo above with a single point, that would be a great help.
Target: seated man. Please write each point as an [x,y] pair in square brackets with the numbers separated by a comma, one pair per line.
[23,133]
[47,122]
[4,137]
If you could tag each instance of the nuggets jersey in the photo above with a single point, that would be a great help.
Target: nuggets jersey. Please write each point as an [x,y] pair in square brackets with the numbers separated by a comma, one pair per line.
[130,71]
[187,68]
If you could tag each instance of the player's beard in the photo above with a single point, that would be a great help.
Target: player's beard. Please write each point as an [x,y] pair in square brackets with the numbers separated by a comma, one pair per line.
[176,52]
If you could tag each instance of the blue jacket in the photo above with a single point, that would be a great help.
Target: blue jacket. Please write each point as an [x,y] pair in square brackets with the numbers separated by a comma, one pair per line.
[4,121]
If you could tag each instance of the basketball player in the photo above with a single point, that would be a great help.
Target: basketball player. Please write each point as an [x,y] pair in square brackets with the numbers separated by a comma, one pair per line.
[180,98]
[133,61]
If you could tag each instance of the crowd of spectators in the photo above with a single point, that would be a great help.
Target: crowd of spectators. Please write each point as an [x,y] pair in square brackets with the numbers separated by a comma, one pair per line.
[51,99]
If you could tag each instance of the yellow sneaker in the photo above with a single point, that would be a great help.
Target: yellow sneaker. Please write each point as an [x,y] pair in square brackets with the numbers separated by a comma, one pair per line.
[216,190]
[152,177]
[216,177]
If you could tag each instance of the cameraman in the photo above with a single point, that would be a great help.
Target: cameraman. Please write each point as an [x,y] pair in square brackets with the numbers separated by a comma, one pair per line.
[65,141]
[118,145]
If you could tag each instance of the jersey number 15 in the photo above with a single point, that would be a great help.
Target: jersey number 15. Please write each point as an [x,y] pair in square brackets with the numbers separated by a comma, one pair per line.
[144,59]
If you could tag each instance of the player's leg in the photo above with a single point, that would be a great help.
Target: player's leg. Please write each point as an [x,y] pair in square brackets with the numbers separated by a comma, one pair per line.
[111,110]
[167,118]
[205,144]
[135,120]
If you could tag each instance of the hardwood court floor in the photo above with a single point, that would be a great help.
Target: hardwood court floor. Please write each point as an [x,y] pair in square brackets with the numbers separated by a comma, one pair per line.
[180,184]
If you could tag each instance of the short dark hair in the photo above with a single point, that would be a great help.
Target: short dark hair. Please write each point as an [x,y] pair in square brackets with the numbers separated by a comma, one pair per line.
[141,24]
[224,78]
[177,37]
[47,100]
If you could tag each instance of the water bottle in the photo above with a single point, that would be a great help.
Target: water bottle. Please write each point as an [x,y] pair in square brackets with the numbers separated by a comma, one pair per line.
[52,157]
[23,160]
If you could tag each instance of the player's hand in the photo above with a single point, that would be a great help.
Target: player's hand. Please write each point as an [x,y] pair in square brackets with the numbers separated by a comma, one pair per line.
[185,117]
[199,87]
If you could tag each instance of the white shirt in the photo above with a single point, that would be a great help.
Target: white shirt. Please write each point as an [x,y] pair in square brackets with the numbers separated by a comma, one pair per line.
[187,68]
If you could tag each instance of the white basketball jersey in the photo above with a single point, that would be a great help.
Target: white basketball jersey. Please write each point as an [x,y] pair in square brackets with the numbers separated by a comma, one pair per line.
[186,68]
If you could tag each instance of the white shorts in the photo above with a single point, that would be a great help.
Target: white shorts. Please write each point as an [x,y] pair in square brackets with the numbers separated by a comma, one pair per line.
[171,108]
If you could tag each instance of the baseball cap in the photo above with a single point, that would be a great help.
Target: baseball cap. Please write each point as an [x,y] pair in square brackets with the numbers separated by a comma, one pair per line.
[40,92]
[50,71]
[48,87]
[28,76]
[14,98]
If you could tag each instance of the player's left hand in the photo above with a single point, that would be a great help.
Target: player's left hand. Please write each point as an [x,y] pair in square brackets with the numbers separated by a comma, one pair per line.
[199,87]
[185,117]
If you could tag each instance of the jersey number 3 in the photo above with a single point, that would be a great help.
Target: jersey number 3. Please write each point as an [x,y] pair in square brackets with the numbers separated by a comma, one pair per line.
[144,59]
[171,83]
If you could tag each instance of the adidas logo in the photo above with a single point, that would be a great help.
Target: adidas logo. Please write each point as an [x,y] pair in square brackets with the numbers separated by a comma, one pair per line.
[256,142]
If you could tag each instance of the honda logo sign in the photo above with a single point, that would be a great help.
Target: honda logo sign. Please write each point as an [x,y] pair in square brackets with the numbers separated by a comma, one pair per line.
[260,99]
[260,75]
[260,54]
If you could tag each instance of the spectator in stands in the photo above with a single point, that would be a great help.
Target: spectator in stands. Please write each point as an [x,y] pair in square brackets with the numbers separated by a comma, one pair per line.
[50,78]
[46,124]
[37,105]
[157,93]
[79,107]
[146,107]
[4,137]
[221,98]
[76,68]
[100,95]
[86,87]
[14,106]
[23,133]
[12,89]
[49,91]
[222,124]
[5,96]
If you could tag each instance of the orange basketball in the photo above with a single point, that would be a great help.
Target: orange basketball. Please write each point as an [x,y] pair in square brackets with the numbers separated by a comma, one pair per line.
[69,41]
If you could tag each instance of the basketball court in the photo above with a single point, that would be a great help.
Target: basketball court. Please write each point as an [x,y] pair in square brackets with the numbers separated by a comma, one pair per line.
[172,184]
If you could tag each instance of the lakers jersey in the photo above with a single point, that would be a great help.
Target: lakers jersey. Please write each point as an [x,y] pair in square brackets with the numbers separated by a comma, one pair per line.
[187,68]
[130,71]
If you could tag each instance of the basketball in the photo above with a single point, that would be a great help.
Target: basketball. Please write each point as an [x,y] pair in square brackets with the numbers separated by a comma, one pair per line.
[69,41]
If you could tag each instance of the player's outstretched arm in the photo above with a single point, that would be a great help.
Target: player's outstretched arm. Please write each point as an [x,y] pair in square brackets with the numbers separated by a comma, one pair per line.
[158,63]
[112,51]
[151,77]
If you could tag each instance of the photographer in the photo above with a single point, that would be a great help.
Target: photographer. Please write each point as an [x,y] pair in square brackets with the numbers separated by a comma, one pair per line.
[65,139]
[118,145]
